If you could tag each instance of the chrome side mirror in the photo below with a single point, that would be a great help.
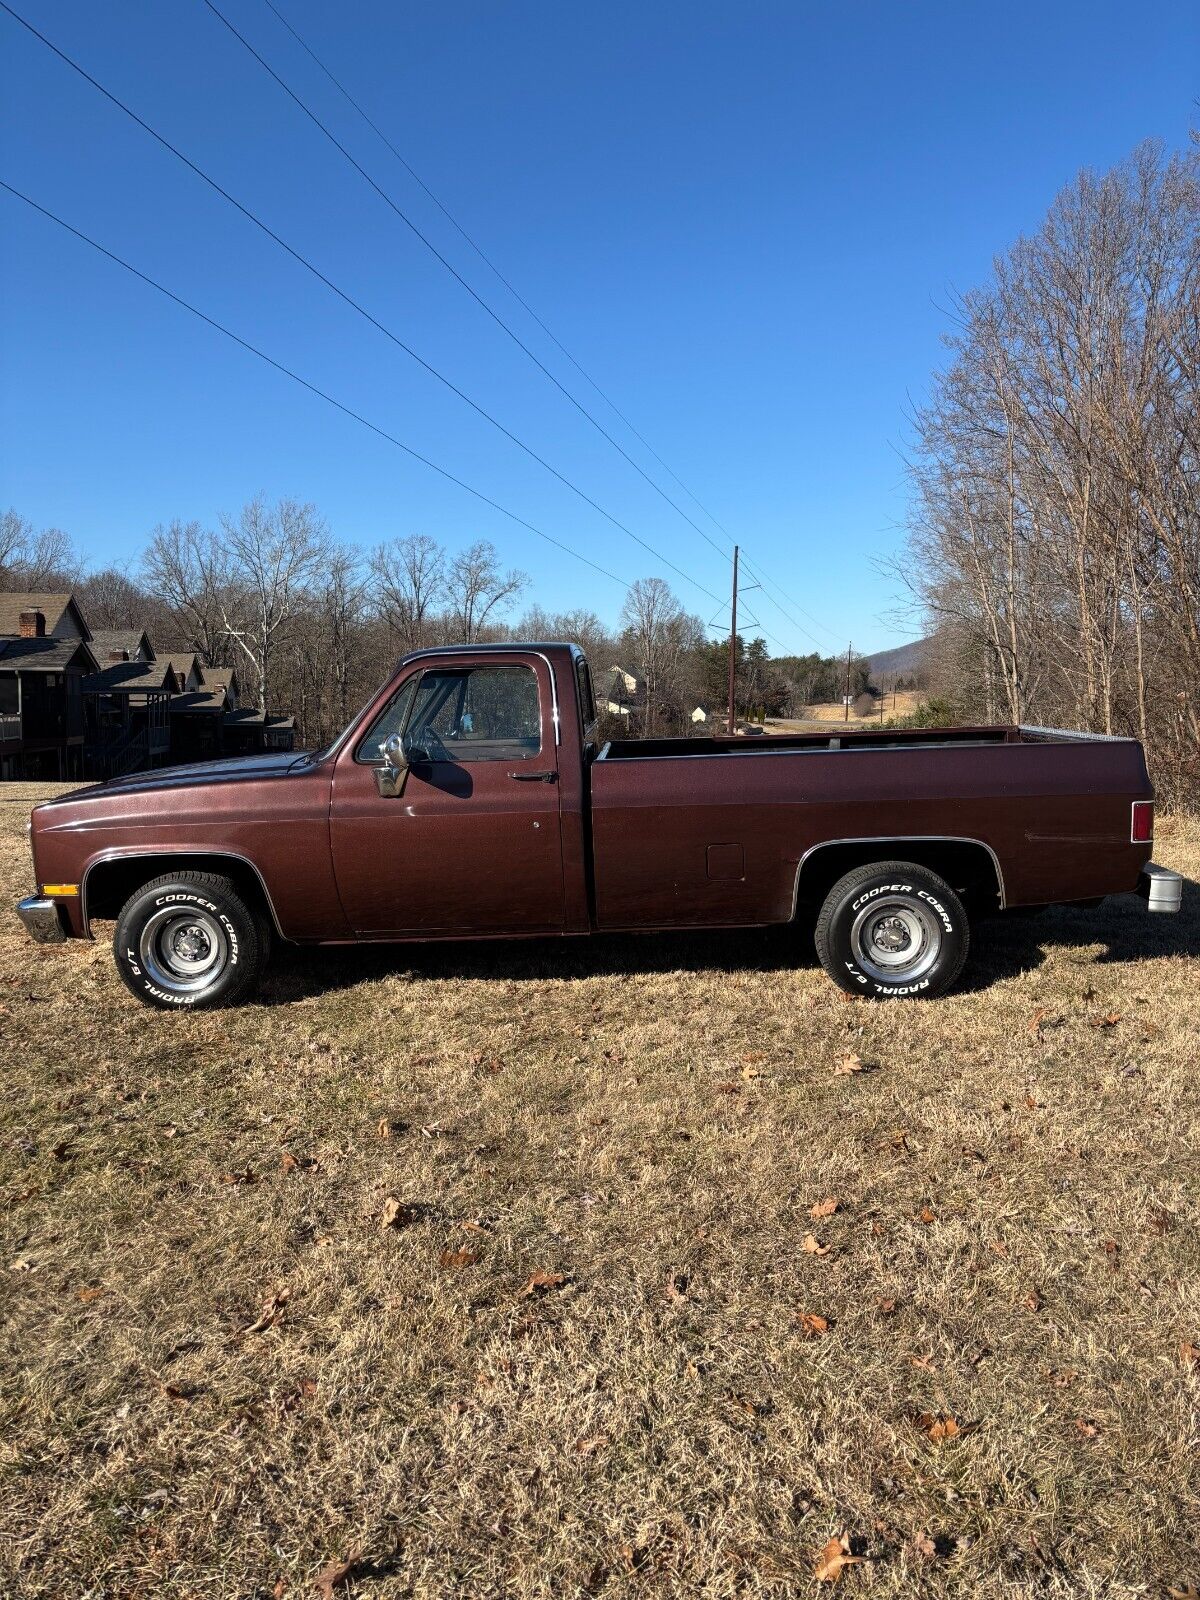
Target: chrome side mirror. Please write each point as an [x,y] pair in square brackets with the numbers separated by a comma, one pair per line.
[391,777]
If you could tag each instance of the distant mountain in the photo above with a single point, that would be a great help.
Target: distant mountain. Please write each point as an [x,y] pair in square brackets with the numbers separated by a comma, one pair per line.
[902,662]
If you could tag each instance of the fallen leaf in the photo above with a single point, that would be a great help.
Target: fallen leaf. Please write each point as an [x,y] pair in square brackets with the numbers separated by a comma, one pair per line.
[749,1070]
[384,1130]
[925,1546]
[811,1324]
[540,1281]
[272,1311]
[1089,1430]
[394,1215]
[926,1216]
[824,1208]
[922,1363]
[1063,1376]
[1189,1353]
[458,1258]
[588,1446]
[885,1307]
[813,1247]
[848,1064]
[999,1246]
[247,1175]
[938,1427]
[288,1161]
[1037,1019]
[1032,1301]
[834,1557]
[1109,1020]
[88,1295]
[334,1574]
[1188,1592]
[677,1286]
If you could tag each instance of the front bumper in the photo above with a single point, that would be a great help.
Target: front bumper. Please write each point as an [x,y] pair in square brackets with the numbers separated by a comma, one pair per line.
[1161,889]
[43,919]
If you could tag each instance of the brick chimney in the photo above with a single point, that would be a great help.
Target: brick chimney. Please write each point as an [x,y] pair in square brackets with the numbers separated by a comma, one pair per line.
[33,625]
[118,655]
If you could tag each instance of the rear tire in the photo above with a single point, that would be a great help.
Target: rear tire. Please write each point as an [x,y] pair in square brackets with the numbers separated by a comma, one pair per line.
[189,940]
[891,931]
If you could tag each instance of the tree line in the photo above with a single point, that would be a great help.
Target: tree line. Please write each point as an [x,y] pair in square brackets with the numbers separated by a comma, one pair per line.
[1055,541]
[313,625]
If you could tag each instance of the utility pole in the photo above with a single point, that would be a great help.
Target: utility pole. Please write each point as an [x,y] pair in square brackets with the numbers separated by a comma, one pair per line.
[846,700]
[733,644]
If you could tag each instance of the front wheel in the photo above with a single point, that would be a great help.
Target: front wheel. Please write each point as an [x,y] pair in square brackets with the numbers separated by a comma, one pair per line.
[892,930]
[189,940]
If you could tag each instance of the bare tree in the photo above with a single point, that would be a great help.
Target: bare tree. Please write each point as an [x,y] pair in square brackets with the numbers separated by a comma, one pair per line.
[35,559]
[477,590]
[1056,533]
[274,553]
[658,634]
[409,579]
[187,568]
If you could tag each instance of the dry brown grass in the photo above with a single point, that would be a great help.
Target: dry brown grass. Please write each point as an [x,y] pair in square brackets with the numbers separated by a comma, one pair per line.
[905,703]
[1015,1245]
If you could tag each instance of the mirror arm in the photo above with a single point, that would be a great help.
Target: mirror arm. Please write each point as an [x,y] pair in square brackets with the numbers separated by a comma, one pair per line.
[390,781]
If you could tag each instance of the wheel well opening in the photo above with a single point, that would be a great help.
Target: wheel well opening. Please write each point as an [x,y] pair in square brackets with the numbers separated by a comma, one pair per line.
[969,868]
[110,883]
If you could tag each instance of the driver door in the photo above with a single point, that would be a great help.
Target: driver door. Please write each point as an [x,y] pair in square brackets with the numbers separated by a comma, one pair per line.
[470,844]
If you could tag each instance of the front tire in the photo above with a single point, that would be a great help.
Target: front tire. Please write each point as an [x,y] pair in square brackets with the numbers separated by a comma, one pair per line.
[892,930]
[189,940]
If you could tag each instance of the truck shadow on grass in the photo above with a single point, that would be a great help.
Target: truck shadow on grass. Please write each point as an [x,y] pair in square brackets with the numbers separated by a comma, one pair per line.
[1003,946]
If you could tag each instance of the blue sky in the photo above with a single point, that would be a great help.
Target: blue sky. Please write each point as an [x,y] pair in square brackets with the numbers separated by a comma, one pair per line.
[744,220]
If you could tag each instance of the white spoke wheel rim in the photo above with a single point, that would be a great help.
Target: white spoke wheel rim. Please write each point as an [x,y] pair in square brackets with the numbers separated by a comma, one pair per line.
[183,950]
[896,939]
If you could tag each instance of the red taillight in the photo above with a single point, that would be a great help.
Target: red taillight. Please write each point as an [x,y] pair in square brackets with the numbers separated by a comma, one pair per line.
[1142,831]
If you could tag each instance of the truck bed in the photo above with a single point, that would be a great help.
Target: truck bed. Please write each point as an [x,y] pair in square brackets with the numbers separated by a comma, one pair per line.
[689,832]
[849,739]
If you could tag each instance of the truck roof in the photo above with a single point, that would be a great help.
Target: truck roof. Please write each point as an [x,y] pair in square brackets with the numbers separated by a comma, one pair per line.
[495,649]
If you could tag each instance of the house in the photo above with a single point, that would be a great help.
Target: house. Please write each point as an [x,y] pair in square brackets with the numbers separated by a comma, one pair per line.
[126,705]
[247,731]
[616,691]
[44,656]
[74,704]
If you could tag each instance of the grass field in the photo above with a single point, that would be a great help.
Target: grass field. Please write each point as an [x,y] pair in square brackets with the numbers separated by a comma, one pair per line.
[584,1270]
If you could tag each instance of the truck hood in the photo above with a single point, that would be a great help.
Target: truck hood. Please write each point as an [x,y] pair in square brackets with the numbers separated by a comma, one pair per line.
[237,769]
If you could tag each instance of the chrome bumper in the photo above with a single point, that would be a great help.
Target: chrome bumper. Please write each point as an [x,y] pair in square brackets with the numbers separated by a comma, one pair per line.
[43,919]
[1161,889]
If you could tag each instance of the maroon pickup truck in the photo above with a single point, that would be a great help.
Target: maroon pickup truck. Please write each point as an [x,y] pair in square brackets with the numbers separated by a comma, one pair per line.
[469,800]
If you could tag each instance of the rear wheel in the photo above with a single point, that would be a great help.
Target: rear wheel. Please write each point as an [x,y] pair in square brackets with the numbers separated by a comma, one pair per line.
[189,939]
[892,930]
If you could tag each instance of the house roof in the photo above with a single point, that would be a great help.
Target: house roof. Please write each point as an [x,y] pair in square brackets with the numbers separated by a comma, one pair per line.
[222,675]
[262,719]
[131,677]
[182,662]
[52,606]
[45,655]
[108,642]
[210,700]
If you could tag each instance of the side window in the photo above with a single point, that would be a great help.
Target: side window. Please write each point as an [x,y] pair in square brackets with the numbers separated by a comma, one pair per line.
[390,720]
[479,714]
[464,715]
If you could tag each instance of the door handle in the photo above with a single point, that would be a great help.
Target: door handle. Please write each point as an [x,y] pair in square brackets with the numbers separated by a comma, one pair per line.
[535,777]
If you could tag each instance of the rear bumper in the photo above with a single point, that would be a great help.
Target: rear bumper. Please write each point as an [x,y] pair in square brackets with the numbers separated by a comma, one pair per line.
[1161,889]
[43,920]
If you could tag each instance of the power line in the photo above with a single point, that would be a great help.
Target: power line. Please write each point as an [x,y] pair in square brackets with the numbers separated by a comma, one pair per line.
[304,383]
[521,301]
[354,304]
[453,271]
